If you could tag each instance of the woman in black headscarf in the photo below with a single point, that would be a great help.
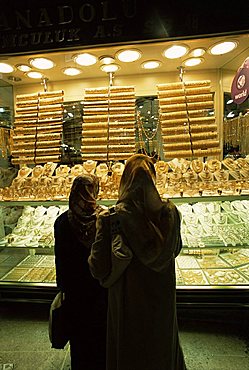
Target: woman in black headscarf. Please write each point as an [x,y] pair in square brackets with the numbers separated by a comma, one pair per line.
[85,299]
[142,331]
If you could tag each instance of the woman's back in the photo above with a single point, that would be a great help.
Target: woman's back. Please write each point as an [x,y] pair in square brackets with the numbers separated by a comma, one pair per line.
[142,328]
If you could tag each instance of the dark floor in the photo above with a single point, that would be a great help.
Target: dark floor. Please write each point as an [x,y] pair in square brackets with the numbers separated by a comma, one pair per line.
[211,340]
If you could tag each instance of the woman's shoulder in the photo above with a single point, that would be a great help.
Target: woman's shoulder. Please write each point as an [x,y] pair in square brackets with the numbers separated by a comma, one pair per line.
[168,207]
[167,203]
[61,219]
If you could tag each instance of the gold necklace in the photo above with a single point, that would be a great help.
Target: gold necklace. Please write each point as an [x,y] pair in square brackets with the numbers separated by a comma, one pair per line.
[153,144]
[141,143]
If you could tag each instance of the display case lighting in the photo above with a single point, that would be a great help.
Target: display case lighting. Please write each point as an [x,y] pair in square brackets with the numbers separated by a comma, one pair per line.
[23,67]
[129,55]
[198,52]
[85,59]
[42,63]
[6,68]
[71,71]
[175,51]
[223,47]
[105,59]
[192,62]
[34,74]
[151,64]
[110,68]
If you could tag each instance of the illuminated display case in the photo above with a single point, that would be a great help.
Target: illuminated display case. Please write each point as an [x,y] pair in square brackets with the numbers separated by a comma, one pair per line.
[213,267]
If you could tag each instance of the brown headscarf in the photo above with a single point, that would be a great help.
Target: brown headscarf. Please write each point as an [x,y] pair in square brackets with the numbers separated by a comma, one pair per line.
[83,207]
[150,225]
[137,185]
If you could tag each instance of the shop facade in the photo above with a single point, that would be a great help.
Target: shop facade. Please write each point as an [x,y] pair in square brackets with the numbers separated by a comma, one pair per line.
[61,125]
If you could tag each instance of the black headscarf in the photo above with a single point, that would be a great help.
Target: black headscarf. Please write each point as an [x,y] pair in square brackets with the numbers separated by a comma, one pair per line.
[83,207]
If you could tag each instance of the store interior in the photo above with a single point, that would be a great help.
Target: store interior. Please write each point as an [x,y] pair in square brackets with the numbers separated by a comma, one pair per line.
[218,68]
[73,101]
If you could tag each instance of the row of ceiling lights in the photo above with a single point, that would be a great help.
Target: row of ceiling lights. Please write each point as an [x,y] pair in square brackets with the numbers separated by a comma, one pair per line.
[108,62]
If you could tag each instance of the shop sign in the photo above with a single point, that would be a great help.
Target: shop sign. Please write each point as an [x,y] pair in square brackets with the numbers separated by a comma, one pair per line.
[240,84]
[27,26]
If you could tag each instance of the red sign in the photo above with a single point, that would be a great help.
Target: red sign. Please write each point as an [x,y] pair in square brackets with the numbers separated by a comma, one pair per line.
[240,85]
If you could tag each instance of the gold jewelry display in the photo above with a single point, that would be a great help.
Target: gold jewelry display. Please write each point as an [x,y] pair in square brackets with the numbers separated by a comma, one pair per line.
[150,138]
[213,165]
[108,123]
[206,175]
[222,175]
[5,141]
[197,165]
[236,132]
[117,171]
[105,181]
[118,168]
[89,166]
[49,168]
[62,170]
[68,184]
[230,164]
[245,173]
[33,123]
[184,110]
[37,171]
[242,163]
[175,177]
[57,188]
[24,171]
[77,170]
[190,176]
[101,170]
[161,167]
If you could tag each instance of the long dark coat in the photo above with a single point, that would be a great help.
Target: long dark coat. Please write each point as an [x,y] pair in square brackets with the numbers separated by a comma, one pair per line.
[86,300]
[142,323]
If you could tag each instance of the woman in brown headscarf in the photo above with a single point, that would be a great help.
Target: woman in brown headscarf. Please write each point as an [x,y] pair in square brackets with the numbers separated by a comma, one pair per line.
[142,331]
[85,299]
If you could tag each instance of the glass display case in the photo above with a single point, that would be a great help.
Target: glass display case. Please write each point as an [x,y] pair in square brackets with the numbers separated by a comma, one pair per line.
[27,266]
[212,269]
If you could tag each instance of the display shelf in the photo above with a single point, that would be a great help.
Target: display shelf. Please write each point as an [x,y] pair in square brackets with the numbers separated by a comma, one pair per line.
[206,198]
[212,269]
[32,250]
[107,202]
[27,292]
[33,203]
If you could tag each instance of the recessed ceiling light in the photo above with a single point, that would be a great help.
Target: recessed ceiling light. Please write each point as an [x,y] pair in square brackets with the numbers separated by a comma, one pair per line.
[191,62]
[128,56]
[23,67]
[223,47]
[106,59]
[34,74]
[151,64]
[6,68]
[109,67]
[41,63]
[85,59]
[71,71]
[175,51]
[198,52]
